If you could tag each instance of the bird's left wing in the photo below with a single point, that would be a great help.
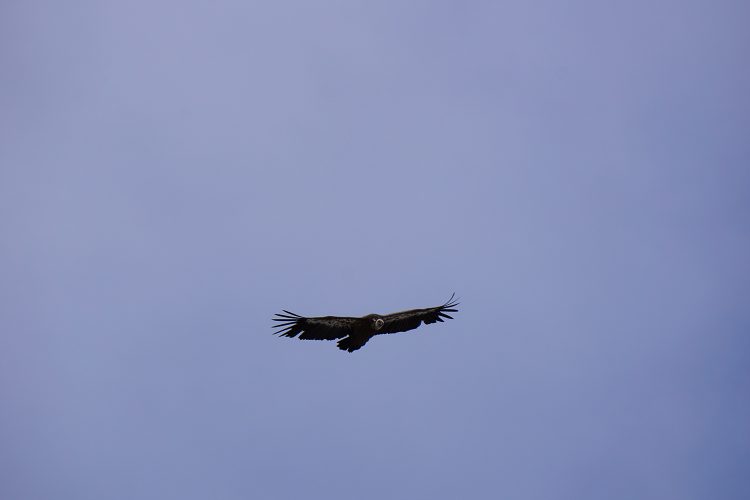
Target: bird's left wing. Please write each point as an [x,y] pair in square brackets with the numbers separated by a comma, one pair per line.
[408,320]
[322,328]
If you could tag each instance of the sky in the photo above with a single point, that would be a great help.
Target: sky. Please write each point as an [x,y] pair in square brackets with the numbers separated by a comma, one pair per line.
[174,173]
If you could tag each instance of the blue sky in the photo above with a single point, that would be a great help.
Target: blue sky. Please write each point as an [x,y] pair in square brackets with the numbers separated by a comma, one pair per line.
[174,173]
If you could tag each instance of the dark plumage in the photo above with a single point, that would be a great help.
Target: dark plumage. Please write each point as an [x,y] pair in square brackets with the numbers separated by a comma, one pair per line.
[355,332]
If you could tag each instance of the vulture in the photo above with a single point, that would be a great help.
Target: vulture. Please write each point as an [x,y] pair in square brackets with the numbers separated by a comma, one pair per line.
[353,333]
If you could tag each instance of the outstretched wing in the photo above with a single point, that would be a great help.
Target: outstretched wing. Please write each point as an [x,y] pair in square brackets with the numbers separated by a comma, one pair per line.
[409,320]
[323,328]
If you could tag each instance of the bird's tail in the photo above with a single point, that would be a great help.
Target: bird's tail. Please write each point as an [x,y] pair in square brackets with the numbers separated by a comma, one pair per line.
[351,344]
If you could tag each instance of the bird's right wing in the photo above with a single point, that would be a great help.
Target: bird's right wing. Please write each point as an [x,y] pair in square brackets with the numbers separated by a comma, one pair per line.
[409,320]
[322,328]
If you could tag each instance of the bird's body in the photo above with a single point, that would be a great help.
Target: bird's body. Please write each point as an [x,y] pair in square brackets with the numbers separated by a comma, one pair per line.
[355,332]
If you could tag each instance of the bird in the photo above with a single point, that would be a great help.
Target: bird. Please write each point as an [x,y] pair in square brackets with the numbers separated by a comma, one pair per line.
[353,333]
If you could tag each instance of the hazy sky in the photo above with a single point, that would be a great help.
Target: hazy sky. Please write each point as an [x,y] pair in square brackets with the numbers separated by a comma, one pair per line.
[174,173]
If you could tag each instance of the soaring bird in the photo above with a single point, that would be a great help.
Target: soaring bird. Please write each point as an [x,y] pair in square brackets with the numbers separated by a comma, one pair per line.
[355,332]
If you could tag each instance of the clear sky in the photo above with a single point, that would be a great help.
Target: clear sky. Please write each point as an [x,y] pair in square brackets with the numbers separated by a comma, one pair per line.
[174,173]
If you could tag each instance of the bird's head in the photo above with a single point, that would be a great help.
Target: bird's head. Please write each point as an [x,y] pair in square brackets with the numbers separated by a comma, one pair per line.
[377,323]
